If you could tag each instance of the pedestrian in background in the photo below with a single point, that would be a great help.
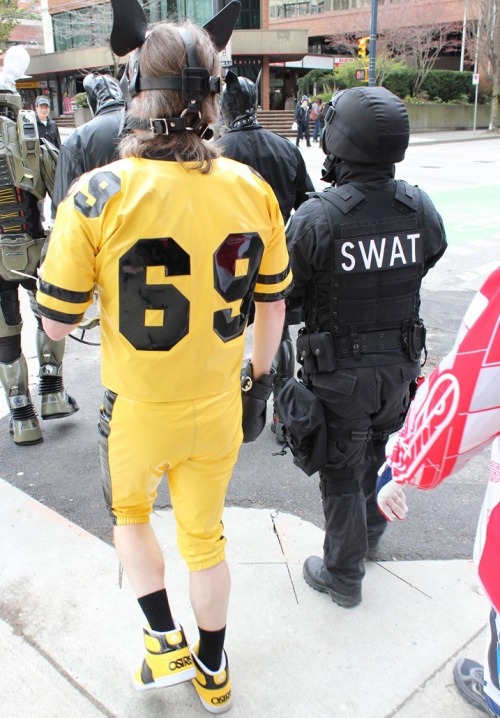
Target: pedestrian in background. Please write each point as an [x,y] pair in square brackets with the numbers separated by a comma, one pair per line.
[359,251]
[455,414]
[316,117]
[179,241]
[302,118]
[47,128]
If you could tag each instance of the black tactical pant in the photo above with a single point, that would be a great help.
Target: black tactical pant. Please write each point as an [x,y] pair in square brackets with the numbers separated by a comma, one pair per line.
[362,406]
[303,132]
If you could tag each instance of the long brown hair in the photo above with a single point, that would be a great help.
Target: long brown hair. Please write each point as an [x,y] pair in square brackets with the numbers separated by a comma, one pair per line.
[164,54]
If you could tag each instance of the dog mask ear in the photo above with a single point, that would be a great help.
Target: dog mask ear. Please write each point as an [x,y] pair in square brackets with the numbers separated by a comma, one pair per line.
[221,26]
[231,80]
[129,26]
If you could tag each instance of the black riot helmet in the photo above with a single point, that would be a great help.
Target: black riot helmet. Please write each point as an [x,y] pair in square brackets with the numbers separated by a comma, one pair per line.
[238,101]
[366,125]
[102,90]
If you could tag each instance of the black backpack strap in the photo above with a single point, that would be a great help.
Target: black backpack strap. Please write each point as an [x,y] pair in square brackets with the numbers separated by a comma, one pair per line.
[345,198]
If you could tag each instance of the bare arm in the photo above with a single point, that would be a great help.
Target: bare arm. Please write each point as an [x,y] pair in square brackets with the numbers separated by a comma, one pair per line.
[57,330]
[267,331]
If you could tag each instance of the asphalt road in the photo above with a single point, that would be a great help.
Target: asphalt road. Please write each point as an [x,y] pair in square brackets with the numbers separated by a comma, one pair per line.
[63,473]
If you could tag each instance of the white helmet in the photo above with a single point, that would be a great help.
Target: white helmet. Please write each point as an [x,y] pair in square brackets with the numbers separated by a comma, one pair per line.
[15,64]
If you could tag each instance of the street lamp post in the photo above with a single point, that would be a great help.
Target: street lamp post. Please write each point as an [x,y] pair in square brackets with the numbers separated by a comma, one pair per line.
[373,44]
[476,59]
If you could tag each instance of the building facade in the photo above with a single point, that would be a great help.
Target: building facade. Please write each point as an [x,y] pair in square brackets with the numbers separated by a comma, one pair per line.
[78,33]
[328,20]
[275,41]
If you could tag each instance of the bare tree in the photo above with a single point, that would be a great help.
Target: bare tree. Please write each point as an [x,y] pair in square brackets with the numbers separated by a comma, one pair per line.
[85,26]
[90,26]
[415,35]
[417,38]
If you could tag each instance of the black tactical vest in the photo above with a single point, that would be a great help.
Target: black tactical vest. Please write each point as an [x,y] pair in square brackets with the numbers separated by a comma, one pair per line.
[376,261]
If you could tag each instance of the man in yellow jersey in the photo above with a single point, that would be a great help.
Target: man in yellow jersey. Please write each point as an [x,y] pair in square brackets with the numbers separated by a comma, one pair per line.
[178,241]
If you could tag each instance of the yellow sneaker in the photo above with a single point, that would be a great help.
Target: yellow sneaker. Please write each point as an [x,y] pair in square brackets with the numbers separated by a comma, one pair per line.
[168,660]
[213,687]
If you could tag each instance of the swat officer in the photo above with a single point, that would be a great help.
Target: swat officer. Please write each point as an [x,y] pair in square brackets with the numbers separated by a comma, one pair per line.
[27,168]
[281,164]
[359,251]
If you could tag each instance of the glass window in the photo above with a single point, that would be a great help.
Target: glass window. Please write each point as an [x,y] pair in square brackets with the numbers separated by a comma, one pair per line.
[85,27]
[249,18]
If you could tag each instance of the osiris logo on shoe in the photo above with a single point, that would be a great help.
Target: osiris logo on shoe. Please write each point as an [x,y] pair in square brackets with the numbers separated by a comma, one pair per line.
[180,663]
[221,699]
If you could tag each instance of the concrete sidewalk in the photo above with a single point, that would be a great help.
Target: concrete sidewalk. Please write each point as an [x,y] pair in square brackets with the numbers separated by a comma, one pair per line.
[440,136]
[70,638]
[418,138]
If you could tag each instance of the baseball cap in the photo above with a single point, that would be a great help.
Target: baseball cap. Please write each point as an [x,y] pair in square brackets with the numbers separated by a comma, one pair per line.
[42,101]
[305,97]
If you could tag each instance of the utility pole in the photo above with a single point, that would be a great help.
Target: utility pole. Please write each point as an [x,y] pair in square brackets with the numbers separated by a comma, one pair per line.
[373,44]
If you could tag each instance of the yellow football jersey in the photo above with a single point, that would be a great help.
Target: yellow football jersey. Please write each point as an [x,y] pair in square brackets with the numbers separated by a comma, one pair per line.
[177,257]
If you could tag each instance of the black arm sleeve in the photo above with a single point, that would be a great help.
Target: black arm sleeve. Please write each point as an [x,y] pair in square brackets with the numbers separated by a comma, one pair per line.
[69,167]
[435,231]
[303,183]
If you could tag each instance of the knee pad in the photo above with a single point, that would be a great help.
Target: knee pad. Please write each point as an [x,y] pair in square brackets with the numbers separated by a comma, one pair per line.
[11,323]
[10,349]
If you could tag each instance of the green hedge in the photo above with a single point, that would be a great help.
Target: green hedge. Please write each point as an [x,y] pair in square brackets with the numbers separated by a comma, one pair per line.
[448,85]
[441,85]
[438,86]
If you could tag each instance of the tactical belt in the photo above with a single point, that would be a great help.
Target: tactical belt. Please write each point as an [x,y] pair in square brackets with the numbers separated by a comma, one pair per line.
[319,351]
[367,343]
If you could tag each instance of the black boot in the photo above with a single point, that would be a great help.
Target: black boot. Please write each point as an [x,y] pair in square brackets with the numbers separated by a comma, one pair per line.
[316,576]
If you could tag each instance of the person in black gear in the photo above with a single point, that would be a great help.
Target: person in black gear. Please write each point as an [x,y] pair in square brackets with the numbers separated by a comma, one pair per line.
[273,156]
[281,164]
[359,251]
[47,128]
[27,168]
[303,118]
[93,144]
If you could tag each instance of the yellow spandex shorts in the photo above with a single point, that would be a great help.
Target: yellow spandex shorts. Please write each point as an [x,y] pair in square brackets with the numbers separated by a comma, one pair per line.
[195,443]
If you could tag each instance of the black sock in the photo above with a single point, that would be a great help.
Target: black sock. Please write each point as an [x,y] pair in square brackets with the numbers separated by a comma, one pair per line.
[156,608]
[211,645]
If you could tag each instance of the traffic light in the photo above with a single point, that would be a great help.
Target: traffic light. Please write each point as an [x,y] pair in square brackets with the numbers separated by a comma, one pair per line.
[362,47]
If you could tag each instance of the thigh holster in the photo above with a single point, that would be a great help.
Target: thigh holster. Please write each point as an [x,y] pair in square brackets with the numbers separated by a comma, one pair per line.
[305,430]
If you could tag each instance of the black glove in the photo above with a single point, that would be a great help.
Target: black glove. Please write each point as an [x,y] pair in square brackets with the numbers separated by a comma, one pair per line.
[254,396]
